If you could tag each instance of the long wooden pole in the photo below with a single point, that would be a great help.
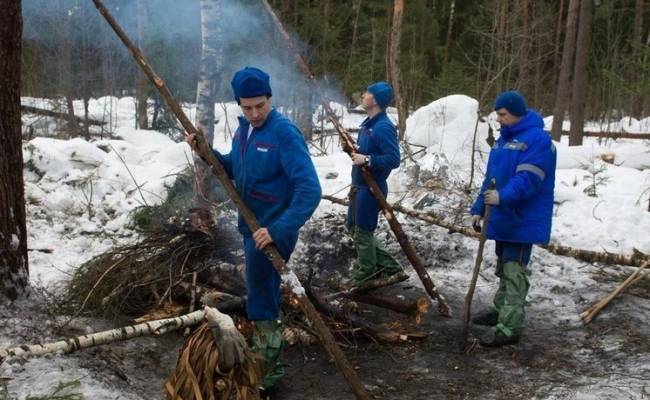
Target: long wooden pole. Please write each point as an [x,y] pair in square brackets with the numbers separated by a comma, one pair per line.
[386,208]
[203,150]
[467,307]
[635,259]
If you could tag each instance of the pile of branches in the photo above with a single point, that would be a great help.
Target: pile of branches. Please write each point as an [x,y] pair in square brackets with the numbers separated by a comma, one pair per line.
[188,262]
[134,279]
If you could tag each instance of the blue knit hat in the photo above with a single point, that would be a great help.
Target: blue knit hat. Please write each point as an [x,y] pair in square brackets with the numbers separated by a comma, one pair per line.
[382,92]
[512,101]
[250,82]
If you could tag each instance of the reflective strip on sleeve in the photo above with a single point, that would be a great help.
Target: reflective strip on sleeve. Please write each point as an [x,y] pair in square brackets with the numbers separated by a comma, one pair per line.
[531,168]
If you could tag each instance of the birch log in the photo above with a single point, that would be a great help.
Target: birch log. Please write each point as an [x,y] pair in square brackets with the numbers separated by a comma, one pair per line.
[96,339]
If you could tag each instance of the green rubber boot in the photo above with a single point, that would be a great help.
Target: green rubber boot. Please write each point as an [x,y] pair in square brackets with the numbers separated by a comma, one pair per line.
[268,342]
[365,266]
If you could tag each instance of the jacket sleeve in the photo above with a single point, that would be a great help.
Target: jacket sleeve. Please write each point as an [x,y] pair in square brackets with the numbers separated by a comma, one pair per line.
[534,165]
[297,164]
[479,206]
[386,140]
[226,159]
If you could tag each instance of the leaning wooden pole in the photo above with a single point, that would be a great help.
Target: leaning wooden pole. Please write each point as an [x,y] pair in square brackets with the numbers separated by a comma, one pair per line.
[203,150]
[386,208]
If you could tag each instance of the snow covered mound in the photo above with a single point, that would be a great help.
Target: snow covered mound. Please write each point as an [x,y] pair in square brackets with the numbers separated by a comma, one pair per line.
[446,128]
[79,194]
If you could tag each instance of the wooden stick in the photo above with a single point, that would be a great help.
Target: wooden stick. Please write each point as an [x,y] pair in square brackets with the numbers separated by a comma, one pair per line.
[349,147]
[589,314]
[205,152]
[636,259]
[95,339]
[467,307]
[186,333]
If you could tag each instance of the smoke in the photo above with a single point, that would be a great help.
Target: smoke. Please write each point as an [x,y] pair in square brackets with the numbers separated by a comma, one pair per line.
[172,44]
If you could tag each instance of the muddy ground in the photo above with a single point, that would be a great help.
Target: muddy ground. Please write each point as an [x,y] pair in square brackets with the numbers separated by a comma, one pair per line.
[558,357]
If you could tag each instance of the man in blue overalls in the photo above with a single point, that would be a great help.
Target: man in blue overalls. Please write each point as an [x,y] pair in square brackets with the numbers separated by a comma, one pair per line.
[378,149]
[275,177]
[522,163]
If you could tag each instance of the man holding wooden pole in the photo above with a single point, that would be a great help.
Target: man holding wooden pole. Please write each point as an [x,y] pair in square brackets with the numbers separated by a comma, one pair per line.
[275,177]
[522,162]
[378,149]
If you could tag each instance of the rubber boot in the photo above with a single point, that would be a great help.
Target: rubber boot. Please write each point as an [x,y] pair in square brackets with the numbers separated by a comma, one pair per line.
[268,342]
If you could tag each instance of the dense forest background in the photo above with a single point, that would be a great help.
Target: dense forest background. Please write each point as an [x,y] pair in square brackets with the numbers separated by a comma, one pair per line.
[478,48]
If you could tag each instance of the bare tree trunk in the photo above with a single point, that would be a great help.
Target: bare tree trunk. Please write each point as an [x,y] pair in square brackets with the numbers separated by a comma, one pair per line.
[14,273]
[502,10]
[452,8]
[580,74]
[558,36]
[206,91]
[210,70]
[395,74]
[524,45]
[356,6]
[636,101]
[141,85]
[562,90]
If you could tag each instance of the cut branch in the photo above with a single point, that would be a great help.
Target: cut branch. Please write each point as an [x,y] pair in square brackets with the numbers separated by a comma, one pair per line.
[590,313]
[206,154]
[349,146]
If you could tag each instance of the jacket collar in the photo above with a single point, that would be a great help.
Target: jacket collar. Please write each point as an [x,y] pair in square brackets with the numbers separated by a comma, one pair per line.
[244,124]
[368,122]
[530,120]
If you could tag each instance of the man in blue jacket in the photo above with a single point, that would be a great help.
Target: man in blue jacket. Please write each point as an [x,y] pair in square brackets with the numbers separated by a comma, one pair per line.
[378,149]
[275,177]
[522,164]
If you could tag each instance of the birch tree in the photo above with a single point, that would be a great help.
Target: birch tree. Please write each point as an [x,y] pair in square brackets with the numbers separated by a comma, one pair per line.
[210,70]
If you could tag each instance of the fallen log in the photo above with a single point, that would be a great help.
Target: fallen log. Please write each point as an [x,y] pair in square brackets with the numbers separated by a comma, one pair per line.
[59,115]
[371,284]
[613,135]
[203,149]
[589,314]
[370,328]
[410,307]
[636,259]
[348,147]
[96,339]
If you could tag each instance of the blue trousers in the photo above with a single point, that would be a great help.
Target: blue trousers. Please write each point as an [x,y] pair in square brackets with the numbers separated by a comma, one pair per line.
[511,251]
[263,281]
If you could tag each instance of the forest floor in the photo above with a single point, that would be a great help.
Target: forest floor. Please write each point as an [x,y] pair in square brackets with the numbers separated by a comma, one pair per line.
[558,356]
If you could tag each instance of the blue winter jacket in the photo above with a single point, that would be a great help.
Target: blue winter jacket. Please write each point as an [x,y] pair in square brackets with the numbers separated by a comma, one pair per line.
[522,161]
[378,139]
[274,175]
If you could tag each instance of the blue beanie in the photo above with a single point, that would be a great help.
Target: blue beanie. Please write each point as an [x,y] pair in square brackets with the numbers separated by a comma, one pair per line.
[382,92]
[250,82]
[512,101]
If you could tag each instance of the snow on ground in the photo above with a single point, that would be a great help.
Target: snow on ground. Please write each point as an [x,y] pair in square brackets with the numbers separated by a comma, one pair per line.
[79,195]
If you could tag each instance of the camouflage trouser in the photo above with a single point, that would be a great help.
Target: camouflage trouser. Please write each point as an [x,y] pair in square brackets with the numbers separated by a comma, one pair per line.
[510,298]
[268,342]
[371,256]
